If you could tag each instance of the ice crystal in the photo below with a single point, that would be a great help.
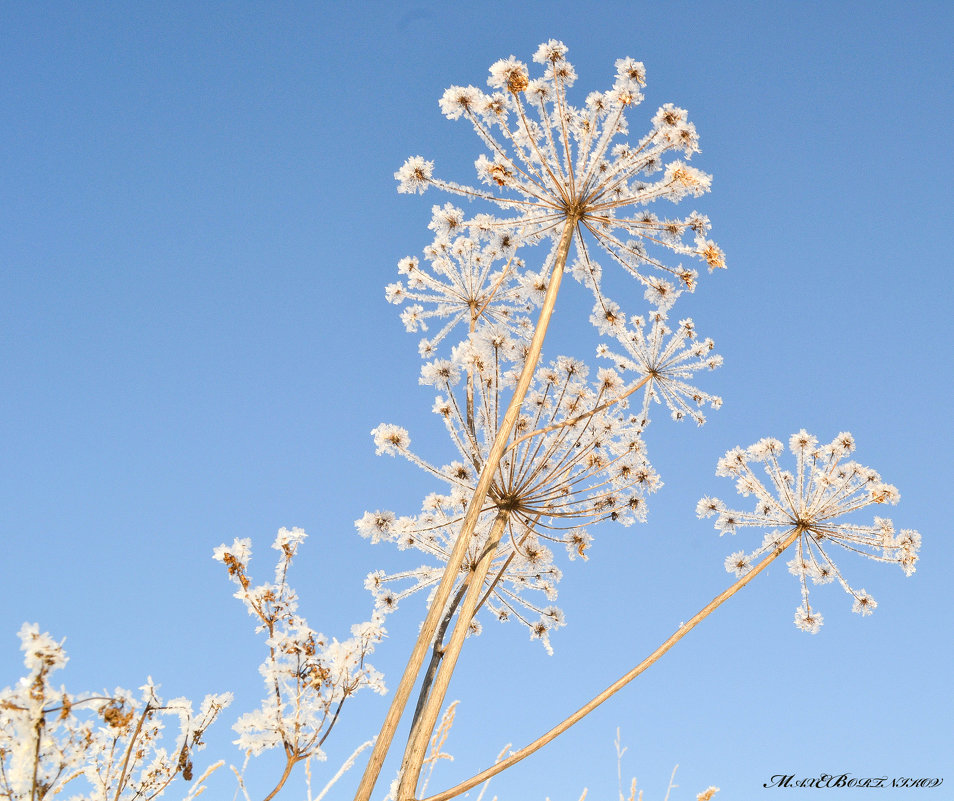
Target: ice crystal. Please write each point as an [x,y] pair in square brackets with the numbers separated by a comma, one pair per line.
[307,675]
[114,740]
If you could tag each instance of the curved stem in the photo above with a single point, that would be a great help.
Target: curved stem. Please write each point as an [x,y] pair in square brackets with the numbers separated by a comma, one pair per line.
[132,743]
[289,764]
[623,680]
[455,559]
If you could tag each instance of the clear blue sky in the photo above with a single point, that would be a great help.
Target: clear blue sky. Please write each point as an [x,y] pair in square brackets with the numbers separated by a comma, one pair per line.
[197,220]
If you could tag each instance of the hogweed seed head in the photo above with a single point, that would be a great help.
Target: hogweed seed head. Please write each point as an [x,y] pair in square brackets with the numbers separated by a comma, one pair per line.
[550,163]
[668,359]
[812,501]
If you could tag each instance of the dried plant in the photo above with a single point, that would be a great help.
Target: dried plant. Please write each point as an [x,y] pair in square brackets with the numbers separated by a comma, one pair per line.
[308,677]
[540,452]
[544,448]
[805,505]
[561,175]
[111,742]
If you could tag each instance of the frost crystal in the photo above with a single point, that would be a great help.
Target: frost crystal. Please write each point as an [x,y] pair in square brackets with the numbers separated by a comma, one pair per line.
[667,359]
[113,740]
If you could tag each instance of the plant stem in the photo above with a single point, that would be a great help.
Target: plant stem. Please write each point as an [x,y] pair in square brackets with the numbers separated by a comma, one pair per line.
[38,729]
[421,732]
[289,764]
[132,743]
[455,559]
[436,653]
[621,682]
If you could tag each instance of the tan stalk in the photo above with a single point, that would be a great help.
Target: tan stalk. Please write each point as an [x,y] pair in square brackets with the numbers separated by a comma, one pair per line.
[421,732]
[290,763]
[622,681]
[456,557]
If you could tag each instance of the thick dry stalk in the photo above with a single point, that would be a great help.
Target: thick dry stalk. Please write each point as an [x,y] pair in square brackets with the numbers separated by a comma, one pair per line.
[403,691]
[424,726]
[437,652]
[622,681]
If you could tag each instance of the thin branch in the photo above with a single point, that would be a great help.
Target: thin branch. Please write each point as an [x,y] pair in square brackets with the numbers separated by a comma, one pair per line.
[579,418]
[437,652]
[621,682]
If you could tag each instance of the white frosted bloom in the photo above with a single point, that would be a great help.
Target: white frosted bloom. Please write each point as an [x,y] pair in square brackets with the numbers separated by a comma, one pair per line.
[508,73]
[577,542]
[669,360]
[390,439]
[289,539]
[550,162]
[468,274]
[813,500]
[375,526]
[439,373]
[414,175]
[808,619]
[738,563]
[864,604]
[709,506]
[41,653]
[608,318]
[240,550]
[575,458]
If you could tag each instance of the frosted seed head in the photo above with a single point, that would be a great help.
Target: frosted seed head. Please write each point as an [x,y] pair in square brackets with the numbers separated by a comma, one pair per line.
[808,619]
[414,175]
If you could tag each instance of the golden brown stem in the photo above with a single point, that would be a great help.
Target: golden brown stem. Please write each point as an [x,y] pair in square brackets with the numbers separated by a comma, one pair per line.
[129,750]
[622,681]
[289,764]
[421,732]
[455,559]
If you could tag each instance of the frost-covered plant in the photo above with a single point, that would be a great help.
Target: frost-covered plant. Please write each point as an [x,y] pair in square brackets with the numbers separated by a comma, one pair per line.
[540,452]
[806,511]
[558,173]
[561,174]
[543,448]
[468,276]
[112,741]
[308,677]
[666,359]
[806,507]
[575,457]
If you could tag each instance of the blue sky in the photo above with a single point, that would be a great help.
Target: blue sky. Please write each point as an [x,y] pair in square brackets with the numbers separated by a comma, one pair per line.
[198,220]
